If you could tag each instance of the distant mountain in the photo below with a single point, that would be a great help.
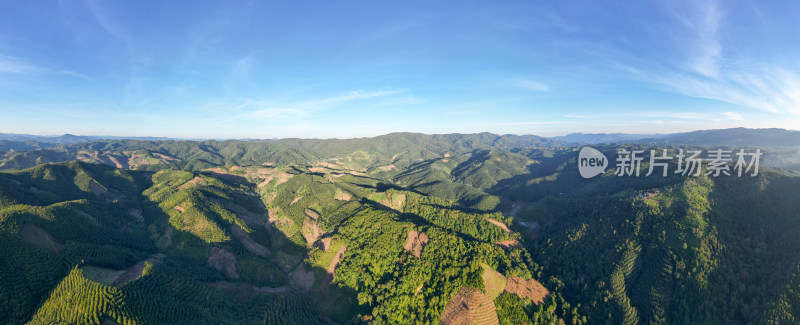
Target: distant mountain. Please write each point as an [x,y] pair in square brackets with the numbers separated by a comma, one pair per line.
[400,149]
[69,138]
[736,137]
[597,138]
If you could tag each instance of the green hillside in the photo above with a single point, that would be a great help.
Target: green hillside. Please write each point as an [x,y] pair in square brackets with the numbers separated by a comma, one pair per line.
[404,228]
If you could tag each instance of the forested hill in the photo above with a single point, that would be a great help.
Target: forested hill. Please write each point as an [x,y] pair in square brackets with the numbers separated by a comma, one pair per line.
[23,151]
[403,228]
[195,155]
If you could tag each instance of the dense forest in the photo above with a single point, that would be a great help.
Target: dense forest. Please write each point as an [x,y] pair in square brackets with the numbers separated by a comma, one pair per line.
[403,228]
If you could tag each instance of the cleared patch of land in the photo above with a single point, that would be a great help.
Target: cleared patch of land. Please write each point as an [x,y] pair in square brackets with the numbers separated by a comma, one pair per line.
[494,282]
[416,242]
[310,231]
[510,244]
[302,278]
[470,306]
[223,261]
[248,243]
[96,188]
[111,277]
[499,224]
[39,237]
[336,258]
[527,289]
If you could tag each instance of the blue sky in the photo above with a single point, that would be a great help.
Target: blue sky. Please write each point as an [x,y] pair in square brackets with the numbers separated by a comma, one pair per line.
[236,69]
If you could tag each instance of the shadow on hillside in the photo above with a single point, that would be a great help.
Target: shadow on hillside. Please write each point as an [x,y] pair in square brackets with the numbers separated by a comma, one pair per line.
[285,254]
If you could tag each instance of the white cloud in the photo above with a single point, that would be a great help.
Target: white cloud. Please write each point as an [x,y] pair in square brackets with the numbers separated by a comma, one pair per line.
[708,49]
[351,96]
[707,72]
[573,115]
[733,116]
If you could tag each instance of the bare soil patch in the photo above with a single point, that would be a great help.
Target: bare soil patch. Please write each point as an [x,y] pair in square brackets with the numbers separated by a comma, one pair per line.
[510,244]
[387,167]
[116,162]
[248,243]
[470,306]
[527,289]
[265,182]
[135,271]
[295,200]
[282,178]
[167,158]
[335,260]
[223,261]
[39,237]
[311,213]
[499,224]
[196,180]
[342,195]
[396,201]
[325,243]
[311,231]
[416,242]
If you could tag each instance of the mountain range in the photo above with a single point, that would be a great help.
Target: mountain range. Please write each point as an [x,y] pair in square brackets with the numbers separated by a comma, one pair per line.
[399,228]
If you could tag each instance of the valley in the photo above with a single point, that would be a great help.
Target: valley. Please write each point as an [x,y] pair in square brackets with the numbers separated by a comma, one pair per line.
[459,228]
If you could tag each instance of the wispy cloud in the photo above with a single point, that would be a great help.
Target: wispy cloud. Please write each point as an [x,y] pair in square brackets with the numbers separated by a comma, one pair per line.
[707,72]
[774,90]
[707,47]
[20,66]
[9,64]
[267,109]
[530,85]
[105,18]
[75,74]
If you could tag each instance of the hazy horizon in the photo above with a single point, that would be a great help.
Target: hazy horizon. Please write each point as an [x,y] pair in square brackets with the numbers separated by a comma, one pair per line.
[273,70]
[101,136]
